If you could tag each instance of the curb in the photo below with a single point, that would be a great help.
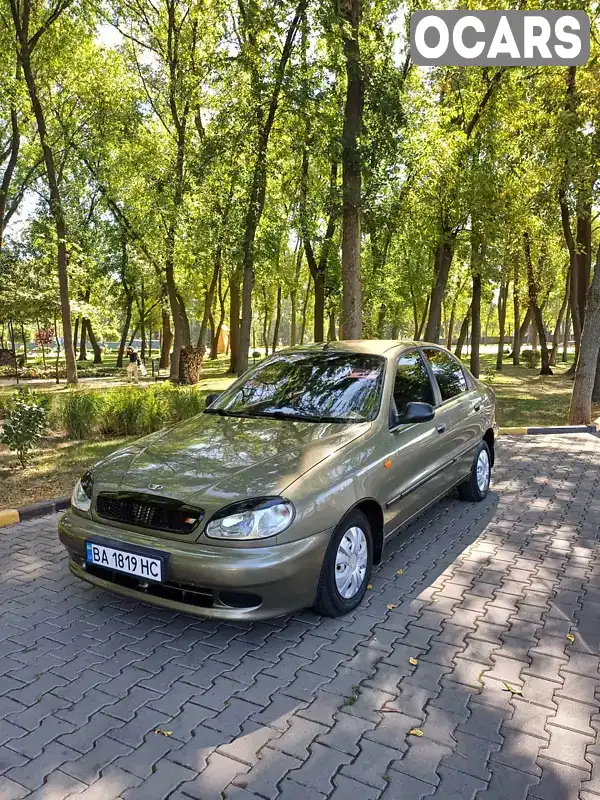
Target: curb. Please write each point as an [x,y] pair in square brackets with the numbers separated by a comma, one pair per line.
[11,516]
[549,431]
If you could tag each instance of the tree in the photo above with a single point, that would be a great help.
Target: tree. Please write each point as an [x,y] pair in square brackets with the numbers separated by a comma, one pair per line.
[23,14]
[580,411]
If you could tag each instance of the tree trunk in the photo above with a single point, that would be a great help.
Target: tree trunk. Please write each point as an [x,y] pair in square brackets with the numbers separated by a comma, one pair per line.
[423,318]
[83,340]
[534,304]
[15,142]
[277,320]
[56,208]
[351,311]
[502,304]
[234,324]
[462,335]
[256,200]
[381,320]
[584,257]
[566,331]
[476,324]
[318,269]
[559,321]
[76,332]
[94,342]
[167,340]
[331,332]
[304,310]
[443,261]
[580,412]
[125,332]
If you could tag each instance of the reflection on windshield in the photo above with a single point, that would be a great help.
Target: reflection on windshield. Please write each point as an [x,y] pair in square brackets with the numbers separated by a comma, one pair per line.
[313,386]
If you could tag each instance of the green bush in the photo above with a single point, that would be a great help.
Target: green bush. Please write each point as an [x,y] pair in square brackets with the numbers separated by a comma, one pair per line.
[123,412]
[185,402]
[25,424]
[531,358]
[79,413]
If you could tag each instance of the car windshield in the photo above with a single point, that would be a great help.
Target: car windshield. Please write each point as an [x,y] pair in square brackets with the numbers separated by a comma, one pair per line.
[324,386]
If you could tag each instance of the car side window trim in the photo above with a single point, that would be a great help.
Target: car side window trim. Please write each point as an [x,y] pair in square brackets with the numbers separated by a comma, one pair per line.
[437,391]
[434,387]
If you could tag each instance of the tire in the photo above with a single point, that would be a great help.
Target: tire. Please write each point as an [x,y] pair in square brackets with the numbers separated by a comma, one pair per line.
[476,487]
[341,590]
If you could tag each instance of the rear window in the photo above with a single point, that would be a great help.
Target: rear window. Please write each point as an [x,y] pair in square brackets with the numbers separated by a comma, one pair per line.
[449,374]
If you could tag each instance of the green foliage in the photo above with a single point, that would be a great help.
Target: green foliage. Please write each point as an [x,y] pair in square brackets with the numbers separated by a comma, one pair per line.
[79,411]
[24,425]
[126,411]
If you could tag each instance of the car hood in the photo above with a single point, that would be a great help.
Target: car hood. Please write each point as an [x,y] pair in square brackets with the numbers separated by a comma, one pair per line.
[215,460]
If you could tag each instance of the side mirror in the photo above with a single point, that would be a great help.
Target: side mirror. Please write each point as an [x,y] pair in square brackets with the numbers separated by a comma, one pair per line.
[211,398]
[414,412]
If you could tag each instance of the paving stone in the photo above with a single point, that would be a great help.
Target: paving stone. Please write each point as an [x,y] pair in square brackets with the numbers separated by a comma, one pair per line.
[250,742]
[195,753]
[32,773]
[483,722]
[558,782]
[401,785]
[33,743]
[9,790]
[290,790]
[264,777]
[372,764]
[58,786]
[320,767]
[458,785]
[165,777]
[214,780]
[347,787]
[346,733]
[422,759]
[507,783]
[134,732]
[567,747]
[519,751]
[110,786]
[88,768]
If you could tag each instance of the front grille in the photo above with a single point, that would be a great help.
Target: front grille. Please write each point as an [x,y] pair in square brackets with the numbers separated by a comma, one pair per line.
[158,514]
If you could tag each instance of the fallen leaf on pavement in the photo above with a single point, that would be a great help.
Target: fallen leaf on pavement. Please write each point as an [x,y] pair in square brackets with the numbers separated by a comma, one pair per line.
[369,586]
[512,689]
[570,637]
[400,572]
[413,661]
[415,732]
[163,733]
[391,605]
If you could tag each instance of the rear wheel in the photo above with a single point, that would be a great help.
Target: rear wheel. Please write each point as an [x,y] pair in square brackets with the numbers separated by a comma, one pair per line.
[346,568]
[475,488]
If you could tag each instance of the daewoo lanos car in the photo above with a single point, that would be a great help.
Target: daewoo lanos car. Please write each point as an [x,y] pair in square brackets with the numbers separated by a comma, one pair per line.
[283,493]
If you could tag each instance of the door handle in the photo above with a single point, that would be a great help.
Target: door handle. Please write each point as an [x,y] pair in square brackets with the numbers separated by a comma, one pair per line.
[441,428]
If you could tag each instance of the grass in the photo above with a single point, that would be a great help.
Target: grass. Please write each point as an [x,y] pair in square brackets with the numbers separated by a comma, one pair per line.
[58,463]
[524,399]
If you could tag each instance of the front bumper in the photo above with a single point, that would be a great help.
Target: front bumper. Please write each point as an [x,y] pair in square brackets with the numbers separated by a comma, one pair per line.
[226,583]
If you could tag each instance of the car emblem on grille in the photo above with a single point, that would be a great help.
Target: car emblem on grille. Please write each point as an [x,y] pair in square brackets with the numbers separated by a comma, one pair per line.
[155,486]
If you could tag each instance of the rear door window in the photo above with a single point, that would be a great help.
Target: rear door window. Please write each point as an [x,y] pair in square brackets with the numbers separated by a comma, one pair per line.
[448,373]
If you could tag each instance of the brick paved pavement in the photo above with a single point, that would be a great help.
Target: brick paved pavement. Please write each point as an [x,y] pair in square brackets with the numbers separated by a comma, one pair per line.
[307,708]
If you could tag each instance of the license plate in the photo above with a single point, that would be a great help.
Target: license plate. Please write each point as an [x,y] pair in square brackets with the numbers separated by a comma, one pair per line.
[131,563]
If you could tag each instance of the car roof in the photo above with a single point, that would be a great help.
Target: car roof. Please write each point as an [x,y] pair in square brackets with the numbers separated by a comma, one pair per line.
[387,347]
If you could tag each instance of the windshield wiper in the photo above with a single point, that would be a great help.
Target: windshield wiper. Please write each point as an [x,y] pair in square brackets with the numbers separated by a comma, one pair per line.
[222,412]
[297,417]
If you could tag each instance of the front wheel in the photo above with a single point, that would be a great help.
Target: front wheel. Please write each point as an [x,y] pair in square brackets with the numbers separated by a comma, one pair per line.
[475,488]
[346,568]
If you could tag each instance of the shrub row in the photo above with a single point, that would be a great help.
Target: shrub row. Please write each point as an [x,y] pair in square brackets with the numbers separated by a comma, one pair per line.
[124,411]
[127,411]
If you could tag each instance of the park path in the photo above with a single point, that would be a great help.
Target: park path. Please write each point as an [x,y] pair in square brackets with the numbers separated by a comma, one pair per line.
[484,598]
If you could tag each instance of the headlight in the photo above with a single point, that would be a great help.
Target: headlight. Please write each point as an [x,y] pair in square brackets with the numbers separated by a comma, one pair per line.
[81,498]
[257,519]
